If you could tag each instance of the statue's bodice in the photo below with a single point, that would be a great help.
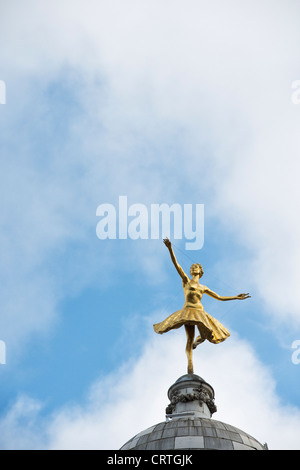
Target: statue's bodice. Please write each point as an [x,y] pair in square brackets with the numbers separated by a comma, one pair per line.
[193,292]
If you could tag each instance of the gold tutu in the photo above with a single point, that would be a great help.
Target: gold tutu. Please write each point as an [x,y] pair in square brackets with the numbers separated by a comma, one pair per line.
[209,328]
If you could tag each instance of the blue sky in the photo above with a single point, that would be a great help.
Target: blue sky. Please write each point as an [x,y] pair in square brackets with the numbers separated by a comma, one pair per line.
[163,103]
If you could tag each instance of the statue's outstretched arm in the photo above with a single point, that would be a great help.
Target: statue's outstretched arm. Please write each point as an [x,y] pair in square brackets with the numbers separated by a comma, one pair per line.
[220,297]
[179,269]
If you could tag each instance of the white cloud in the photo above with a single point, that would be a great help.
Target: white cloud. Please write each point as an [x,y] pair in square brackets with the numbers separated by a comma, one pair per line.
[215,81]
[19,428]
[134,398]
[219,75]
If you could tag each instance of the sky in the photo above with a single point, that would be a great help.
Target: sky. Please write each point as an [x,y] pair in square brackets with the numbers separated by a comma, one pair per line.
[169,102]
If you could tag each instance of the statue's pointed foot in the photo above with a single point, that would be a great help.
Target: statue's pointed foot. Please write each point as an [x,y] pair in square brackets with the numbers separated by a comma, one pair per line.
[198,341]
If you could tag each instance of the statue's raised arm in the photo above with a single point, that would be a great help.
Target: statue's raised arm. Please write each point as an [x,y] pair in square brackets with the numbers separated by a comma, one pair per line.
[179,269]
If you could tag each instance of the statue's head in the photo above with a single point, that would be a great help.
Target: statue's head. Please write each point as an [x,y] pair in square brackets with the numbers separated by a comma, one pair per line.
[196,269]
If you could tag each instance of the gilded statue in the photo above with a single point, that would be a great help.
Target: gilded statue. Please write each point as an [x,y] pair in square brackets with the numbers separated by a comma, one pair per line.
[193,314]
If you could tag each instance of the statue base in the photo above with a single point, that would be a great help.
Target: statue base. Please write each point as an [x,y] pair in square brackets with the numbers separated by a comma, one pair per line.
[190,396]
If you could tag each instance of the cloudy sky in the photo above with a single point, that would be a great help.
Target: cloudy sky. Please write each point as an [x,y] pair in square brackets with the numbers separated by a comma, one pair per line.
[162,102]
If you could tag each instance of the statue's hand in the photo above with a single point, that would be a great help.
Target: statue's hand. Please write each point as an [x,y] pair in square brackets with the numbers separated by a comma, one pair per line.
[167,243]
[243,296]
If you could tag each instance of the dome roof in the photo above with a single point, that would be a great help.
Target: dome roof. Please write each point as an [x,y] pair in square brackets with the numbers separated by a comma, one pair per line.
[189,425]
[189,433]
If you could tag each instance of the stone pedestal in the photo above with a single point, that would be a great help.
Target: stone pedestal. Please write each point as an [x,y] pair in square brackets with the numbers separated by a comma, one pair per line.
[190,396]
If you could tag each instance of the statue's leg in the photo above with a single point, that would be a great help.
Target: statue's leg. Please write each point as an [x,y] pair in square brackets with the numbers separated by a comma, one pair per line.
[190,334]
[199,339]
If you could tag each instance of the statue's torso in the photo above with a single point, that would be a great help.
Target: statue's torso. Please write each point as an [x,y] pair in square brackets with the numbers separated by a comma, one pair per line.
[193,292]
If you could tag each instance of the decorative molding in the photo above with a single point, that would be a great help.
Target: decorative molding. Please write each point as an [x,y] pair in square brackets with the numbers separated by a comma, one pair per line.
[199,394]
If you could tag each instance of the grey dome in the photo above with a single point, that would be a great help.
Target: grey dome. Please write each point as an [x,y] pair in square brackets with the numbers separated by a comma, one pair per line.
[197,433]
[189,425]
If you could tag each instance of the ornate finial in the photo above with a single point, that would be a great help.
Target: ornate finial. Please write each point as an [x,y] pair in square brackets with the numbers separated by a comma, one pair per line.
[191,395]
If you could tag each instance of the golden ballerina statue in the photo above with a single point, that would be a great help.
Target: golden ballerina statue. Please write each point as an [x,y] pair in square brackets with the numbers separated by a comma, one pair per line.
[193,312]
